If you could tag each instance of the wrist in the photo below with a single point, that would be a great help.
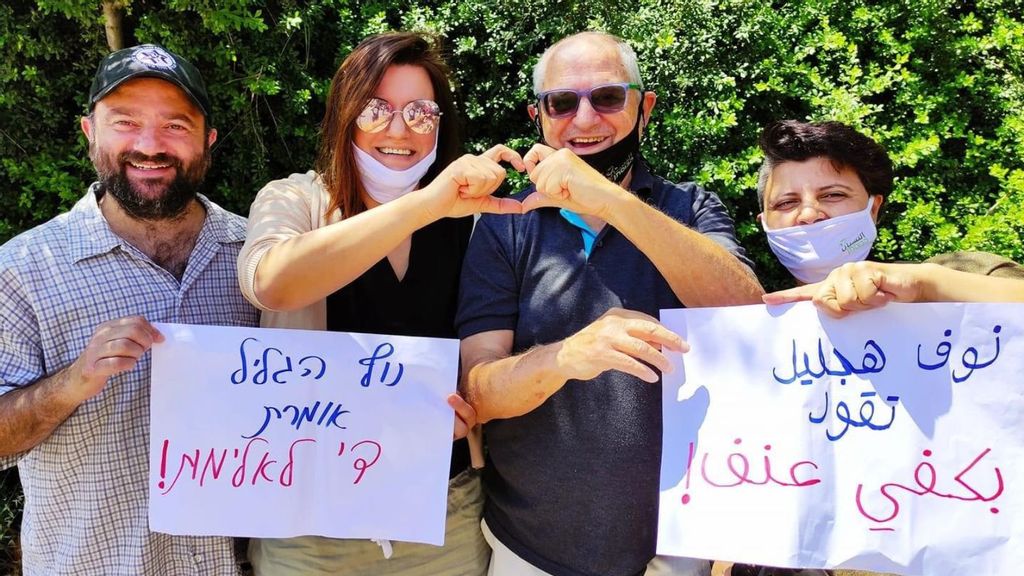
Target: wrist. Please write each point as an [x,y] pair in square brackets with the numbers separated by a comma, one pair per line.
[416,210]
[562,366]
[72,388]
[622,208]
[926,282]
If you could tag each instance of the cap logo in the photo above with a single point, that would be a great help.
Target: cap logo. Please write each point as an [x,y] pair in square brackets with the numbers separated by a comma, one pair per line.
[154,58]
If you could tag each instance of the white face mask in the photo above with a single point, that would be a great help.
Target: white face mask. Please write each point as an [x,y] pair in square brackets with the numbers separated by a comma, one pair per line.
[811,251]
[384,184]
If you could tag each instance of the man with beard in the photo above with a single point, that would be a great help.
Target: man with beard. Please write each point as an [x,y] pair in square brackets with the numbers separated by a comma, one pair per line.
[560,346]
[79,294]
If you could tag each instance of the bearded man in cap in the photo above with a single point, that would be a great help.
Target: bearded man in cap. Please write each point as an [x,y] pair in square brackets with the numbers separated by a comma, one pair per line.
[80,293]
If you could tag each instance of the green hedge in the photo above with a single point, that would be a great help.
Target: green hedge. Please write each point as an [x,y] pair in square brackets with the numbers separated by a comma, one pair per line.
[11,502]
[938,82]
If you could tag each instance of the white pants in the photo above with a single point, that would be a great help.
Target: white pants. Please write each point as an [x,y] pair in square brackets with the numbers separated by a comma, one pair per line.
[505,562]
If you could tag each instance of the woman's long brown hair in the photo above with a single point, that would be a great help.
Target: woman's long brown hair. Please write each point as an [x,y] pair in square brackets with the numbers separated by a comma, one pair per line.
[353,85]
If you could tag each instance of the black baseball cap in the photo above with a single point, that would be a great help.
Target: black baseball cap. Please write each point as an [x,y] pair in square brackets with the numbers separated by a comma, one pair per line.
[148,60]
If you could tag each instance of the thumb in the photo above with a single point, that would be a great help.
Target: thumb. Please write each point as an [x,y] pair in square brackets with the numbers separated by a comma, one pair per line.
[493,205]
[538,200]
[880,298]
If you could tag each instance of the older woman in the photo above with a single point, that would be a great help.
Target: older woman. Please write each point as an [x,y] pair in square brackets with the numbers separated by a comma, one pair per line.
[372,240]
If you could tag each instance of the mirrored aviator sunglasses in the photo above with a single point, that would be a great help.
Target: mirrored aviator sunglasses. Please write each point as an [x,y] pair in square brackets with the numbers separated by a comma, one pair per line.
[605,99]
[421,116]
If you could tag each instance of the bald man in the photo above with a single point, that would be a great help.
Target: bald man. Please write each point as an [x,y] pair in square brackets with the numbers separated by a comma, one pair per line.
[562,354]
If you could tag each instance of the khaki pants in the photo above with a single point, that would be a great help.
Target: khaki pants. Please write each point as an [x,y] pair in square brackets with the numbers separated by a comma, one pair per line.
[464,552]
[505,562]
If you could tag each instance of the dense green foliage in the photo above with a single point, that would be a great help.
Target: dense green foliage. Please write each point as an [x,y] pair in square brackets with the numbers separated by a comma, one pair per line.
[10,515]
[939,82]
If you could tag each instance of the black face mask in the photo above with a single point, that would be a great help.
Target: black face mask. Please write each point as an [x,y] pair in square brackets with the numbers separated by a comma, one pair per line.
[615,161]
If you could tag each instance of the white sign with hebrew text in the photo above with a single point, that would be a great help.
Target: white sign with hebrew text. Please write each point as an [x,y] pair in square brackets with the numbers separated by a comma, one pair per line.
[280,433]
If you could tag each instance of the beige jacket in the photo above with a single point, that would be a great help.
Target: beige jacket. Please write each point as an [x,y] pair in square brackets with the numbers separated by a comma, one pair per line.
[284,209]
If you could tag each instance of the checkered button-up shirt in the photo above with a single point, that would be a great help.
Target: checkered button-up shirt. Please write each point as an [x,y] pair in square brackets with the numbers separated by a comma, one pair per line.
[86,486]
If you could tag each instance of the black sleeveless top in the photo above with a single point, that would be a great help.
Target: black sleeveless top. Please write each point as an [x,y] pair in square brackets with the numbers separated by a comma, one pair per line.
[422,304]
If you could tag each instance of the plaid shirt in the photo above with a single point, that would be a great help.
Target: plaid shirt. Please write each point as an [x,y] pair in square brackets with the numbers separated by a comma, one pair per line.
[86,486]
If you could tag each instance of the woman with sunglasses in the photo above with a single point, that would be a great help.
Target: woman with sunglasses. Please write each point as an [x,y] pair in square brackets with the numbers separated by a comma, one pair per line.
[372,240]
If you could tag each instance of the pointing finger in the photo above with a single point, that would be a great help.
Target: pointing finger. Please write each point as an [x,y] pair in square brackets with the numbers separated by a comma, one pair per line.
[798,294]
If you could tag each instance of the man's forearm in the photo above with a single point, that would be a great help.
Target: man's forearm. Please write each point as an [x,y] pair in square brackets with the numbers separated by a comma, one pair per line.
[700,272]
[512,386]
[30,414]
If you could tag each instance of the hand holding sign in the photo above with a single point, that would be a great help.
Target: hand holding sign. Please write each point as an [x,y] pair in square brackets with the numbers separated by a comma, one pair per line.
[115,347]
[856,286]
[465,416]
[623,340]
